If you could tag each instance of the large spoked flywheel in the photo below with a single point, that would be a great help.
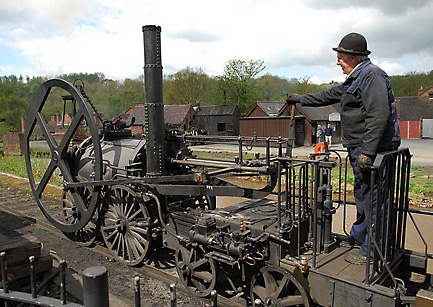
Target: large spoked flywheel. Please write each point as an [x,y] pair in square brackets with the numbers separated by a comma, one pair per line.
[72,122]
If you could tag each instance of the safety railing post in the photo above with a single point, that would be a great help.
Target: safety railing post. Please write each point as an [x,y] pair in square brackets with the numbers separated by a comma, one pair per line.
[62,268]
[4,270]
[32,276]
[137,291]
[214,298]
[95,287]
[173,295]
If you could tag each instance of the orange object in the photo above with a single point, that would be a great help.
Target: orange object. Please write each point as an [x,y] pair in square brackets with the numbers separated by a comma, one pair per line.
[320,147]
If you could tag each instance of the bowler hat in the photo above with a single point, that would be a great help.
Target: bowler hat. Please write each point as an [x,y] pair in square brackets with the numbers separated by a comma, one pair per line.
[353,43]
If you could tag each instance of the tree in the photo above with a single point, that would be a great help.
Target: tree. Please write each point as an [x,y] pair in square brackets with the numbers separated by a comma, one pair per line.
[240,84]
[189,86]
[132,92]
[12,107]
[275,88]
[409,84]
[304,86]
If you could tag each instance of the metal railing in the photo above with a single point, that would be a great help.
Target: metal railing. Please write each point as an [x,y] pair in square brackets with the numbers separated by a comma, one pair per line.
[387,219]
[95,289]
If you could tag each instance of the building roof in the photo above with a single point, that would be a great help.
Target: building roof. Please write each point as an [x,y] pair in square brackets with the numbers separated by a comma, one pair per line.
[173,114]
[318,113]
[279,108]
[139,113]
[269,108]
[216,110]
[414,108]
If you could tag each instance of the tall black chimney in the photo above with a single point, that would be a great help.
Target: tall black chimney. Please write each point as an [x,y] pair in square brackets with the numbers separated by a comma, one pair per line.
[154,106]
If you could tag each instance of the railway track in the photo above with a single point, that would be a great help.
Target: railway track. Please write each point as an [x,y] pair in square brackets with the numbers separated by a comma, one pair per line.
[16,199]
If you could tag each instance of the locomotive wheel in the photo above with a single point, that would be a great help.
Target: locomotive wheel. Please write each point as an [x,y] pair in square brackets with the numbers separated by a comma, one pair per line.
[274,286]
[196,272]
[86,236]
[62,160]
[125,225]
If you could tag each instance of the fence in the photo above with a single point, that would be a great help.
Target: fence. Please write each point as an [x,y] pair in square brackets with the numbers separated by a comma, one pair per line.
[95,289]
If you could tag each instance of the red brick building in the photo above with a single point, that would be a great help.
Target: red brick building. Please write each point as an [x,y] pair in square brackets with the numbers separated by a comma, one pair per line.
[416,112]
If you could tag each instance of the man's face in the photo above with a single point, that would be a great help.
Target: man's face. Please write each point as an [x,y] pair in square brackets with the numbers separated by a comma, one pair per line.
[347,62]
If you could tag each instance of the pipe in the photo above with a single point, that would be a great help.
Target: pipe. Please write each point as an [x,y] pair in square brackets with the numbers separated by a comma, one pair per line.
[154,106]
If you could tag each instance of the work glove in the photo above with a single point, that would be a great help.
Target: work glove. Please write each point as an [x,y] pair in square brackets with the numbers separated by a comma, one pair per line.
[364,162]
[293,98]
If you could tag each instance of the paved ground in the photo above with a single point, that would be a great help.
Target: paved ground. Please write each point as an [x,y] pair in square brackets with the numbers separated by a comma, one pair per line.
[421,149]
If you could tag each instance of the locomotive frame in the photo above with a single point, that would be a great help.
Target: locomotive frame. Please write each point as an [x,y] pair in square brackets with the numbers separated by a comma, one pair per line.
[278,246]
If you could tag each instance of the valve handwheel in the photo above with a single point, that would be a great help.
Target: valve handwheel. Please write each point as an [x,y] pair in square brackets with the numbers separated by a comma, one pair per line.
[275,286]
[197,272]
[62,158]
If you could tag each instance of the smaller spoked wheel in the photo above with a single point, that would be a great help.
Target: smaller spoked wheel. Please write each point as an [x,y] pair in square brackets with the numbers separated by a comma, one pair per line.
[196,271]
[125,225]
[274,286]
[85,236]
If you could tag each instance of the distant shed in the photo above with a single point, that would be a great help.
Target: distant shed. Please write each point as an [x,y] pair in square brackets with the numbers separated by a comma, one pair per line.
[217,120]
[272,118]
[414,112]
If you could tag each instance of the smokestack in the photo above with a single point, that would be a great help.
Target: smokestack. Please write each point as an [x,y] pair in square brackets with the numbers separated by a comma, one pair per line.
[154,106]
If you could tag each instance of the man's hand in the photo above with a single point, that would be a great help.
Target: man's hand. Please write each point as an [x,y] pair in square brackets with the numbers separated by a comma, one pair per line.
[293,98]
[364,162]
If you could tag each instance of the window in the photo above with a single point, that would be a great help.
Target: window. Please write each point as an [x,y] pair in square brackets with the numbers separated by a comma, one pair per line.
[221,127]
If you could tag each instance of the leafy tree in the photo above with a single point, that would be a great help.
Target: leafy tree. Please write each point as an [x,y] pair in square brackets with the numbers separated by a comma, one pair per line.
[12,107]
[409,84]
[189,86]
[132,92]
[240,83]
[274,88]
[304,86]
[85,77]
[107,99]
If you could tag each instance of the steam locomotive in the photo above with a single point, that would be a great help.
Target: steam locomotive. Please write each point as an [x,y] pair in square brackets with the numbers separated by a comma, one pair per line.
[147,195]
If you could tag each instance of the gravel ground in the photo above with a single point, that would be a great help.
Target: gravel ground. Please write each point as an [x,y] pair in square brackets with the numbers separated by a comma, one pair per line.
[120,277]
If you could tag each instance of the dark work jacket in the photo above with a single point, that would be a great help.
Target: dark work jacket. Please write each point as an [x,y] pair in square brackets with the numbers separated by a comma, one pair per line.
[368,114]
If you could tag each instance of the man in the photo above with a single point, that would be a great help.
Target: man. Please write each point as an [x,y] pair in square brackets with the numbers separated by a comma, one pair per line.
[319,133]
[328,135]
[369,121]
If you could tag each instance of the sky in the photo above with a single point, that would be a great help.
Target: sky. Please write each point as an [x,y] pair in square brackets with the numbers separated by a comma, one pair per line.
[294,38]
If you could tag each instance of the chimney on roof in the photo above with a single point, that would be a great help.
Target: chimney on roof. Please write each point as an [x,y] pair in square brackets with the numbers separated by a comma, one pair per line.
[420,91]
[225,97]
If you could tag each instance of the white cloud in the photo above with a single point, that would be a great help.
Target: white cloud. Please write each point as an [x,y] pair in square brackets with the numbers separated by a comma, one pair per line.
[105,36]
[391,68]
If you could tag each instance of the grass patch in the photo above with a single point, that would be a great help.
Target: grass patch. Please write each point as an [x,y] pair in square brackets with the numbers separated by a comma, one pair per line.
[420,184]
[16,165]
